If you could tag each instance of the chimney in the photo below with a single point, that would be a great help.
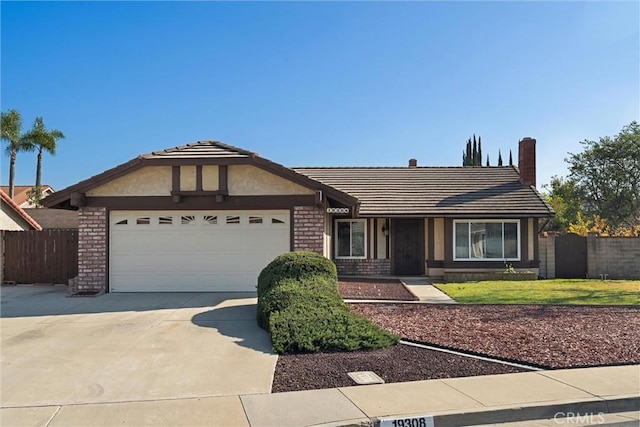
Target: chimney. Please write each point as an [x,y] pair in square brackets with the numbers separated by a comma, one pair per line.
[413,163]
[527,161]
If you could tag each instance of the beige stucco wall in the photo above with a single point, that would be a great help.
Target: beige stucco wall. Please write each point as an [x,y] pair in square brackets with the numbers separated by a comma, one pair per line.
[147,181]
[10,221]
[532,236]
[438,239]
[246,180]
[187,178]
[210,178]
[382,240]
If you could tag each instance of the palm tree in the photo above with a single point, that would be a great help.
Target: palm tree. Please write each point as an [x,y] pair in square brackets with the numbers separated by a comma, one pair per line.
[11,125]
[42,139]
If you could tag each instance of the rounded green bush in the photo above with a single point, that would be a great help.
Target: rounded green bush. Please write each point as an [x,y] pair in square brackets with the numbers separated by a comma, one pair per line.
[295,265]
[320,290]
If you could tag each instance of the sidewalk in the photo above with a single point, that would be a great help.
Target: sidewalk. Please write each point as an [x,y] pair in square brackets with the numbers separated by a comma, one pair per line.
[610,391]
[423,289]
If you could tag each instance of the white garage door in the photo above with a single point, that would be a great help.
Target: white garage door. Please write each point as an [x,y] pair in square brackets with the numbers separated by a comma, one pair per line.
[188,251]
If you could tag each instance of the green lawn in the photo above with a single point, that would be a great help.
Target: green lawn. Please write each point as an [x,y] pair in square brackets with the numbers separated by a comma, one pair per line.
[556,291]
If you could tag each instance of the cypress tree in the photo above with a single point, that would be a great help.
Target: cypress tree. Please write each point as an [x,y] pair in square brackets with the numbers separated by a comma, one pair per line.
[510,159]
[488,160]
[499,158]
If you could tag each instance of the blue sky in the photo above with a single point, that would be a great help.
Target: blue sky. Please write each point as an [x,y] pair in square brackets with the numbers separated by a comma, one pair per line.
[318,83]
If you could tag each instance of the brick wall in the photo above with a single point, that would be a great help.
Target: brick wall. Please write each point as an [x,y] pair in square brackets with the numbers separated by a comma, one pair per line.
[363,267]
[617,257]
[308,229]
[92,249]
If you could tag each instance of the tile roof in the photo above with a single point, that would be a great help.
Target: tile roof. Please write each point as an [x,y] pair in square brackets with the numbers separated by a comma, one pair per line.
[199,150]
[449,191]
[215,151]
[21,192]
[18,210]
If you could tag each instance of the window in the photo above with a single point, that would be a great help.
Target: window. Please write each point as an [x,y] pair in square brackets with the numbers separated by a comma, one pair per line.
[165,220]
[144,220]
[276,220]
[486,240]
[255,220]
[351,239]
[211,219]
[122,222]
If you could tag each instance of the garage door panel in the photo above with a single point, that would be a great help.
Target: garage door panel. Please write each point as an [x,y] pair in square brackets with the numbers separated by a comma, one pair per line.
[193,250]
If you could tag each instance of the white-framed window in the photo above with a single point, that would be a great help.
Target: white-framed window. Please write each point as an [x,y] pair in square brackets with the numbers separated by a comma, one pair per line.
[351,238]
[486,240]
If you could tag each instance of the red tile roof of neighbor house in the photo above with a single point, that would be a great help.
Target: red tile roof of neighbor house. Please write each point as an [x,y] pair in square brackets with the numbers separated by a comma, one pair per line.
[435,191]
[13,205]
[21,192]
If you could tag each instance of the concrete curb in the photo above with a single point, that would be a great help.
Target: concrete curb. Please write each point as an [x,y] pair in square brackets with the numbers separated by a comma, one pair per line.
[513,414]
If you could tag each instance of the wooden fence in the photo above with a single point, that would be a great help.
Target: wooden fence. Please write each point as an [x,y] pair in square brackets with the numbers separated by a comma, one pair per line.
[48,256]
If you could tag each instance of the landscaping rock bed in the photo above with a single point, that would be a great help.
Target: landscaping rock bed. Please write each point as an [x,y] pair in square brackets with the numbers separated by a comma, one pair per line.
[393,364]
[542,335]
[374,290]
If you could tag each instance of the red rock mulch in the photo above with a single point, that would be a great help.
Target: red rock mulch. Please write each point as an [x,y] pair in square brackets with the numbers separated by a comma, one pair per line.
[378,289]
[548,336]
[393,364]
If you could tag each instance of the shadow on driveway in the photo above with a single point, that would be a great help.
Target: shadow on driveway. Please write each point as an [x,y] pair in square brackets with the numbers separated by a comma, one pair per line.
[32,301]
[237,322]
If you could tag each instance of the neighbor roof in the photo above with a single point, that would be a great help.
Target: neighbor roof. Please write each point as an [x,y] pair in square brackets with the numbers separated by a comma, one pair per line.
[21,192]
[19,211]
[435,191]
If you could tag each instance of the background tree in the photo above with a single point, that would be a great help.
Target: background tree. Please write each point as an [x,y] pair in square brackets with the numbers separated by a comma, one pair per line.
[41,139]
[472,155]
[11,125]
[566,199]
[499,158]
[602,191]
[607,173]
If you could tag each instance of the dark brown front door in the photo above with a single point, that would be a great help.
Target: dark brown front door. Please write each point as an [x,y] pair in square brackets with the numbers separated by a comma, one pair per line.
[408,247]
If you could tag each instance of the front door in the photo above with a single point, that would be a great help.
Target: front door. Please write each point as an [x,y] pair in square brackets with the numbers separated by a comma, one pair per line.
[408,247]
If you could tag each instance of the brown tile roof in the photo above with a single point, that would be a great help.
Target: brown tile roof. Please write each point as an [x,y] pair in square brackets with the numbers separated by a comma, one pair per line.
[18,210]
[200,150]
[435,191]
[215,151]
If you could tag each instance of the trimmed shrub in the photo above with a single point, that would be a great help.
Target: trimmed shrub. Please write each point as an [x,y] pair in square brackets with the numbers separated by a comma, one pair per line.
[287,292]
[295,265]
[299,304]
[310,328]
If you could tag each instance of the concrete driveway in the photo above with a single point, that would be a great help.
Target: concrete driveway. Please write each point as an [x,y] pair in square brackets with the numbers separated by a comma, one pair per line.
[57,350]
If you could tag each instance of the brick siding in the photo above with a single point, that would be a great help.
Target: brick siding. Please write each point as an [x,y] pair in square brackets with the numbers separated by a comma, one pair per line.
[308,229]
[363,267]
[92,249]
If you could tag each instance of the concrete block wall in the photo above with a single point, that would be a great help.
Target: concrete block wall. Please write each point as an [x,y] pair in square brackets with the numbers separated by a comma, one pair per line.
[547,253]
[92,249]
[363,267]
[308,229]
[617,257]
